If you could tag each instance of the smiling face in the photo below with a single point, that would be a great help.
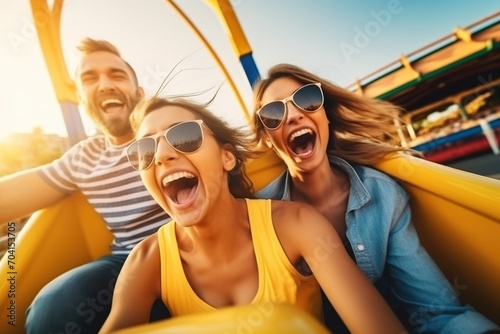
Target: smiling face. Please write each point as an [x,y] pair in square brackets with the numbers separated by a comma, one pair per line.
[302,138]
[108,92]
[187,186]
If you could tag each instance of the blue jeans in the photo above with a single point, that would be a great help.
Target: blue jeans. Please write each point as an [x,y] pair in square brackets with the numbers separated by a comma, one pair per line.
[79,300]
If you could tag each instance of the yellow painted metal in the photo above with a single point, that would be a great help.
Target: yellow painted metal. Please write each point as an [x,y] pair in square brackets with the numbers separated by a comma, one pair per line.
[48,24]
[53,241]
[233,28]
[463,34]
[255,319]
[457,217]
[265,169]
[427,61]
[215,56]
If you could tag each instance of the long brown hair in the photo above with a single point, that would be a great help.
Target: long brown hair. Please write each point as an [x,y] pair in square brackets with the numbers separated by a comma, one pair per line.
[237,140]
[362,130]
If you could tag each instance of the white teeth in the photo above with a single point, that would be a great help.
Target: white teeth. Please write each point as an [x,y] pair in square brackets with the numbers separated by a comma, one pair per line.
[299,133]
[110,101]
[176,176]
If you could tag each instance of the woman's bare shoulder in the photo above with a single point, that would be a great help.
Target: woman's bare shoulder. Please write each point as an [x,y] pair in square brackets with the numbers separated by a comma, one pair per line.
[293,212]
[295,220]
[145,250]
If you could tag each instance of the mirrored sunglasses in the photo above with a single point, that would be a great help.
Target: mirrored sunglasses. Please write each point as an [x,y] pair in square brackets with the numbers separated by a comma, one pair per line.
[308,98]
[185,137]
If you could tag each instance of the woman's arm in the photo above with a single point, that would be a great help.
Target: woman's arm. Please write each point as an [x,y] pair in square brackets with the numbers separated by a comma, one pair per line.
[430,300]
[356,300]
[137,287]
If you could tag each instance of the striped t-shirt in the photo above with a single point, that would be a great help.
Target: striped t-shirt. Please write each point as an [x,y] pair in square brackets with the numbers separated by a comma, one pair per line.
[103,174]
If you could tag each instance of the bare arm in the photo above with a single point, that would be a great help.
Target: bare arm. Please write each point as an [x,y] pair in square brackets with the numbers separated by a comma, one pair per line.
[137,287]
[356,300]
[25,192]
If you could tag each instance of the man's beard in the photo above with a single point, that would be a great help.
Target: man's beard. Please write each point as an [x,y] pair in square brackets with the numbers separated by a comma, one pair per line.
[114,127]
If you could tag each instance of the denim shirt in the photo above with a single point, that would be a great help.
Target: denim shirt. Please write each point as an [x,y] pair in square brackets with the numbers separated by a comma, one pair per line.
[387,249]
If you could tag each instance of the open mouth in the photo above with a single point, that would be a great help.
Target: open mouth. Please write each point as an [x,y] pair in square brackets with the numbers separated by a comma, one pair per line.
[180,186]
[111,105]
[302,142]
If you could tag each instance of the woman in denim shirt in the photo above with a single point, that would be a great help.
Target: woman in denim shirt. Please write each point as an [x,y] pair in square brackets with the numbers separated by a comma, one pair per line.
[327,136]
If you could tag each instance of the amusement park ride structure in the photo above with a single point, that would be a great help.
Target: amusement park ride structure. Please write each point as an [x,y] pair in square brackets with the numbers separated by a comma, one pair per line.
[449,91]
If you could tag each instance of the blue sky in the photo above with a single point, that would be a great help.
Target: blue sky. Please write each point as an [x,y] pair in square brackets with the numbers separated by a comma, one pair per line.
[341,40]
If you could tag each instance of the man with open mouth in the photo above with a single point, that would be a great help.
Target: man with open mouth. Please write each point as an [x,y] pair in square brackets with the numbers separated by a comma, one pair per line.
[107,88]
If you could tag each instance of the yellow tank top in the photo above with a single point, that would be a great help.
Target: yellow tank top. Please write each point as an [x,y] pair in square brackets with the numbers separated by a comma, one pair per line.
[279,281]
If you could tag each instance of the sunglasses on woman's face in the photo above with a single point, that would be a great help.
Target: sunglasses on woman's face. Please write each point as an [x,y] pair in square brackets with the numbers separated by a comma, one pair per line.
[308,98]
[185,137]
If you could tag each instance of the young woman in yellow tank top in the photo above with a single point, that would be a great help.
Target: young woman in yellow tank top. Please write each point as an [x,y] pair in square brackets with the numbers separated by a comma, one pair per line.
[222,249]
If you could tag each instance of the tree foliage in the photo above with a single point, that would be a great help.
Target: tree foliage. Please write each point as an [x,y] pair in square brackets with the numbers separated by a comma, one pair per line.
[23,151]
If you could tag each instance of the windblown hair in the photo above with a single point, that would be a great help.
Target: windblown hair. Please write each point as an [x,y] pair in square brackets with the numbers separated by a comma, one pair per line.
[362,130]
[237,140]
[89,45]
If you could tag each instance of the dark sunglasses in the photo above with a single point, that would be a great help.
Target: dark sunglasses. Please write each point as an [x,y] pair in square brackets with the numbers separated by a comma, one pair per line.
[308,98]
[185,137]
